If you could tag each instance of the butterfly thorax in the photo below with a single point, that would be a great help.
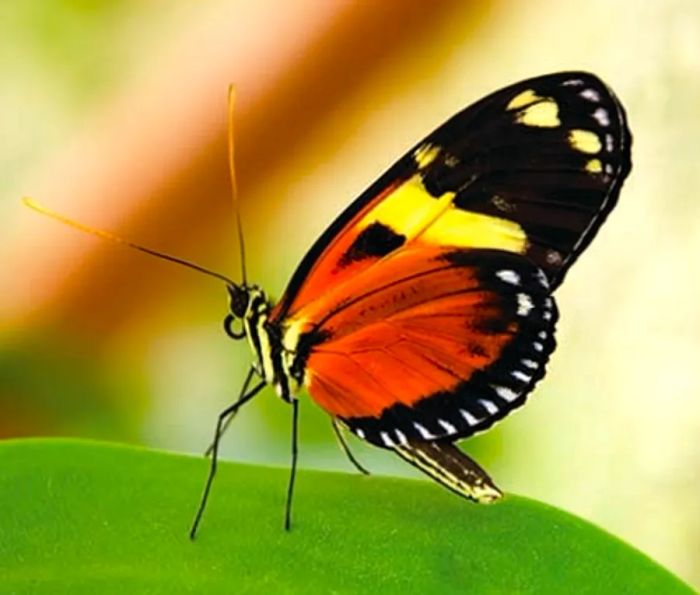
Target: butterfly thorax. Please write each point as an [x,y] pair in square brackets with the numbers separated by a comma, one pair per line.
[251,305]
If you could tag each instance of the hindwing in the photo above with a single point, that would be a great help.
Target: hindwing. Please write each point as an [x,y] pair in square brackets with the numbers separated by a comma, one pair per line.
[438,342]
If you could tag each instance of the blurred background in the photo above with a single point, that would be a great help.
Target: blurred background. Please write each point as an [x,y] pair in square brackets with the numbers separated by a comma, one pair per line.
[114,113]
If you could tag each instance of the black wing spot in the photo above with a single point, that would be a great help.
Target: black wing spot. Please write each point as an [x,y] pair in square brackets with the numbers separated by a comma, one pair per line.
[375,240]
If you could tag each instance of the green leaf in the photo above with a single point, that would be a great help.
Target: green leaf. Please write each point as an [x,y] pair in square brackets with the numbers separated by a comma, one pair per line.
[80,517]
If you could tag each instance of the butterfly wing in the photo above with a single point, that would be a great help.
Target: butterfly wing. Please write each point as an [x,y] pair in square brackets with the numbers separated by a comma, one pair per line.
[532,169]
[423,314]
[435,343]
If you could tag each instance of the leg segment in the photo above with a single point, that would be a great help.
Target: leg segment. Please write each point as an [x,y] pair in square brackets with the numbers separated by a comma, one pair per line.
[226,413]
[337,428]
[292,475]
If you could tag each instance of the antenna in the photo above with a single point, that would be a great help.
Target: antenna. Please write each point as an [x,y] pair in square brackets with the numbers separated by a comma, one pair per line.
[117,240]
[232,175]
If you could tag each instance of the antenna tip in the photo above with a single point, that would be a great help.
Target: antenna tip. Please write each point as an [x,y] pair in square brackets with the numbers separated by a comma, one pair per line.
[231,95]
[32,204]
[35,206]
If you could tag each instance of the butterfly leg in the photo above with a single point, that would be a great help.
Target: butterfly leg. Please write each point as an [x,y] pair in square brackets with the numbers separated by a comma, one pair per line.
[245,396]
[450,467]
[337,428]
[293,472]
[232,415]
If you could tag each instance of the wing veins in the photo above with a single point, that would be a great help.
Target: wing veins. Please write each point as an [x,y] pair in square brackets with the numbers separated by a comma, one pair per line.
[340,307]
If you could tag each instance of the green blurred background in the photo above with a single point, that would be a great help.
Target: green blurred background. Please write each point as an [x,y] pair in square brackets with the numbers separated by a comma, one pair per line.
[114,113]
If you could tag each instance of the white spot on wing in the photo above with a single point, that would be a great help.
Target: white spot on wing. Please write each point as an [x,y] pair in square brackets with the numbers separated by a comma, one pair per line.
[502,204]
[385,439]
[401,437]
[609,143]
[528,363]
[506,393]
[601,116]
[449,428]
[360,433]
[451,160]
[542,278]
[468,417]
[572,83]
[525,304]
[518,375]
[490,406]
[423,432]
[538,346]
[553,257]
[509,276]
[547,315]
[542,334]
[590,94]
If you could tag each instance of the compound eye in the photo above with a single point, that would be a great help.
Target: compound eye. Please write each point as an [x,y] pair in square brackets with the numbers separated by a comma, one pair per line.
[229,321]
[239,300]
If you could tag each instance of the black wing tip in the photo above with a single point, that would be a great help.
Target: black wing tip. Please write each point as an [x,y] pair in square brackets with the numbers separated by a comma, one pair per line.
[568,78]
[624,167]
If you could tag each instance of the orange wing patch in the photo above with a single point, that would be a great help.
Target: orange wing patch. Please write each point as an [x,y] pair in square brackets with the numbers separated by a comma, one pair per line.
[471,325]
[337,262]
[403,214]
[404,358]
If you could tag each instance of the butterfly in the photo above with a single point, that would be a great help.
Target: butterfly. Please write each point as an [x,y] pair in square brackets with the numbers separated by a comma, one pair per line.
[424,313]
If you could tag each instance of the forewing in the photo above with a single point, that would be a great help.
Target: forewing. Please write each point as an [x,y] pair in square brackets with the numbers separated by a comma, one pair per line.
[532,169]
[442,343]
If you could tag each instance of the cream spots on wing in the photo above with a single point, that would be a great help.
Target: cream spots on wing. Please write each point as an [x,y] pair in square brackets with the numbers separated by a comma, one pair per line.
[601,116]
[594,166]
[543,114]
[584,141]
[425,155]
[522,99]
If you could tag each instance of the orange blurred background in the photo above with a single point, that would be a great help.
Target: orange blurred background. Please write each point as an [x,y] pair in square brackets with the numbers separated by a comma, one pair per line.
[114,113]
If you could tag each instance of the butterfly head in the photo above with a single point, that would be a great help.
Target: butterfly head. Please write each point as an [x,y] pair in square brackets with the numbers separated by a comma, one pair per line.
[246,304]
[239,298]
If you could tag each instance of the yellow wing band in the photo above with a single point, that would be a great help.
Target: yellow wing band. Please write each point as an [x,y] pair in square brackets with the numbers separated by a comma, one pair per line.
[413,212]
